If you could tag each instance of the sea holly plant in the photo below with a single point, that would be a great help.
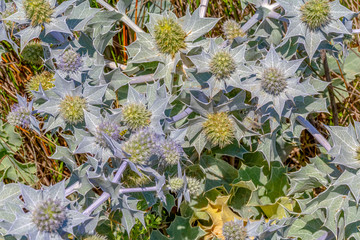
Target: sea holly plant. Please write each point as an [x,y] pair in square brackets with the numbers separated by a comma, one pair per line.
[193,129]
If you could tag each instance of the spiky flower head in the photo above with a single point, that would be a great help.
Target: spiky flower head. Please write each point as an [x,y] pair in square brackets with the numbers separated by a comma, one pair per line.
[19,116]
[33,53]
[142,145]
[232,30]
[38,11]
[171,151]
[111,129]
[222,65]
[96,237]
[46,79]
[70,61]
[194,186]
[136,115]
[234,230]
[273,81]
[176,184]
[169,36]
[49,215]
[219,129]
[316,13]
[72,108]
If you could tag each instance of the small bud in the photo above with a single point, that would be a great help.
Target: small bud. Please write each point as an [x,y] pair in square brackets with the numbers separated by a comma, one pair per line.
[45,78]
[169,36]
[33,53]
[38,11]
[70,61]
[109,128]
[171,152]
[232,30]
[72,109]
[96,237]
[273,81]
[316,13]
[194,186]
[176,184]
[222,65]
[219,129]
[136,115]
[19,116]
[49,215]
[234,230]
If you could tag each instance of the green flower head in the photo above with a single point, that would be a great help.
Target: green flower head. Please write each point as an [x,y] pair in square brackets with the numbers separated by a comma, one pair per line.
[219,129]
[315,13]
[72,109]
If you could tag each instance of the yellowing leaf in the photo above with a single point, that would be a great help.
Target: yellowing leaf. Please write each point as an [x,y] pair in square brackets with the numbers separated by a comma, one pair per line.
[278,210]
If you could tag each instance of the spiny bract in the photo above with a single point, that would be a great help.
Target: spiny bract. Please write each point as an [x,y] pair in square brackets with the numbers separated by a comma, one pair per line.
[194,186]
[136,115]
[49,215]
[38,11]
[232,29]
[222,65]
[171,151]
[142,145]
[46,79]
[19,116]
[219,129]
[96,237]
[273,81]
[70,61]
[109,128]
[72,109]
[169,36]
[234,230]
[315,13]
[176,184]
[33,53]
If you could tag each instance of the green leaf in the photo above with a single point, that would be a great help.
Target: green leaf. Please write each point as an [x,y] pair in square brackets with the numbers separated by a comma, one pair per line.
[180,229]
[307,227]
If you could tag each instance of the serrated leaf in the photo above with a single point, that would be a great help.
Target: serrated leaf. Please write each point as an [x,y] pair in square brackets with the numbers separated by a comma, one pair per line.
[180,229]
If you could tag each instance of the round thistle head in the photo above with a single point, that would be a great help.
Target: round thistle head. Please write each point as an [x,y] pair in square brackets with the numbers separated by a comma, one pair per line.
[72,109]
[19,116]
[315,13]
[219,129]
[96,237]
[169,36]
[136,115]
[70,61]
[141,146]
[234,230]
[33,53]
[232,30]
[46,79]
[176,184]
[273,81]
[38,11]
[171,152]
[194,186]
[109,128]
[49,215]
[222,65]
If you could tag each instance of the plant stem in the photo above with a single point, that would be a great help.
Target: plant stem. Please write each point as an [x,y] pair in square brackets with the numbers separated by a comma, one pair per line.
[330,87]
[72,188]
[180,116]
[356,31]
[203,7]
[142,79]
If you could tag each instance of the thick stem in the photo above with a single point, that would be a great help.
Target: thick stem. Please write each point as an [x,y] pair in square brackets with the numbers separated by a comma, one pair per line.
[180,116]
[203,7]
[142,79]
[330,87]
[356,31]
[252,21]
[72,188]
[141,189]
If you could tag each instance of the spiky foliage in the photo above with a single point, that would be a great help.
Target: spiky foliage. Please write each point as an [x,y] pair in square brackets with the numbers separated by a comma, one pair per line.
[136,115]
[111,129]
[19,116]
[133,179]
[315,13]
[33,53]
[46,79]
[222,65]
[49,215]
[234,230]
[70,61]
[219,129]
[96,237]
[38,11]
[194,186]
[72,108]
[232,29]
[273,81]
[171,152]
[169,36]
[176,184]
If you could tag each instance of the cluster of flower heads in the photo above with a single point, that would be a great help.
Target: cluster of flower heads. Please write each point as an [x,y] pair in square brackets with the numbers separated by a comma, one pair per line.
[49,215]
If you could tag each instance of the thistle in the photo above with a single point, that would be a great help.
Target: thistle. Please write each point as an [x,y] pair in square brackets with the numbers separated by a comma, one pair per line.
[315,13]
[109,128]
[273,81]
[141,146]
[33,53]
[72,109]
[49,215]
[136,115]
[234,230]
[222,65]
[176,184]
[38,11]
[232,30]
[171,152]
[19,116]
[132,179]
[70,61]
[46,79]
[194,186]
[169,36]
[219,129]
[96,237]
